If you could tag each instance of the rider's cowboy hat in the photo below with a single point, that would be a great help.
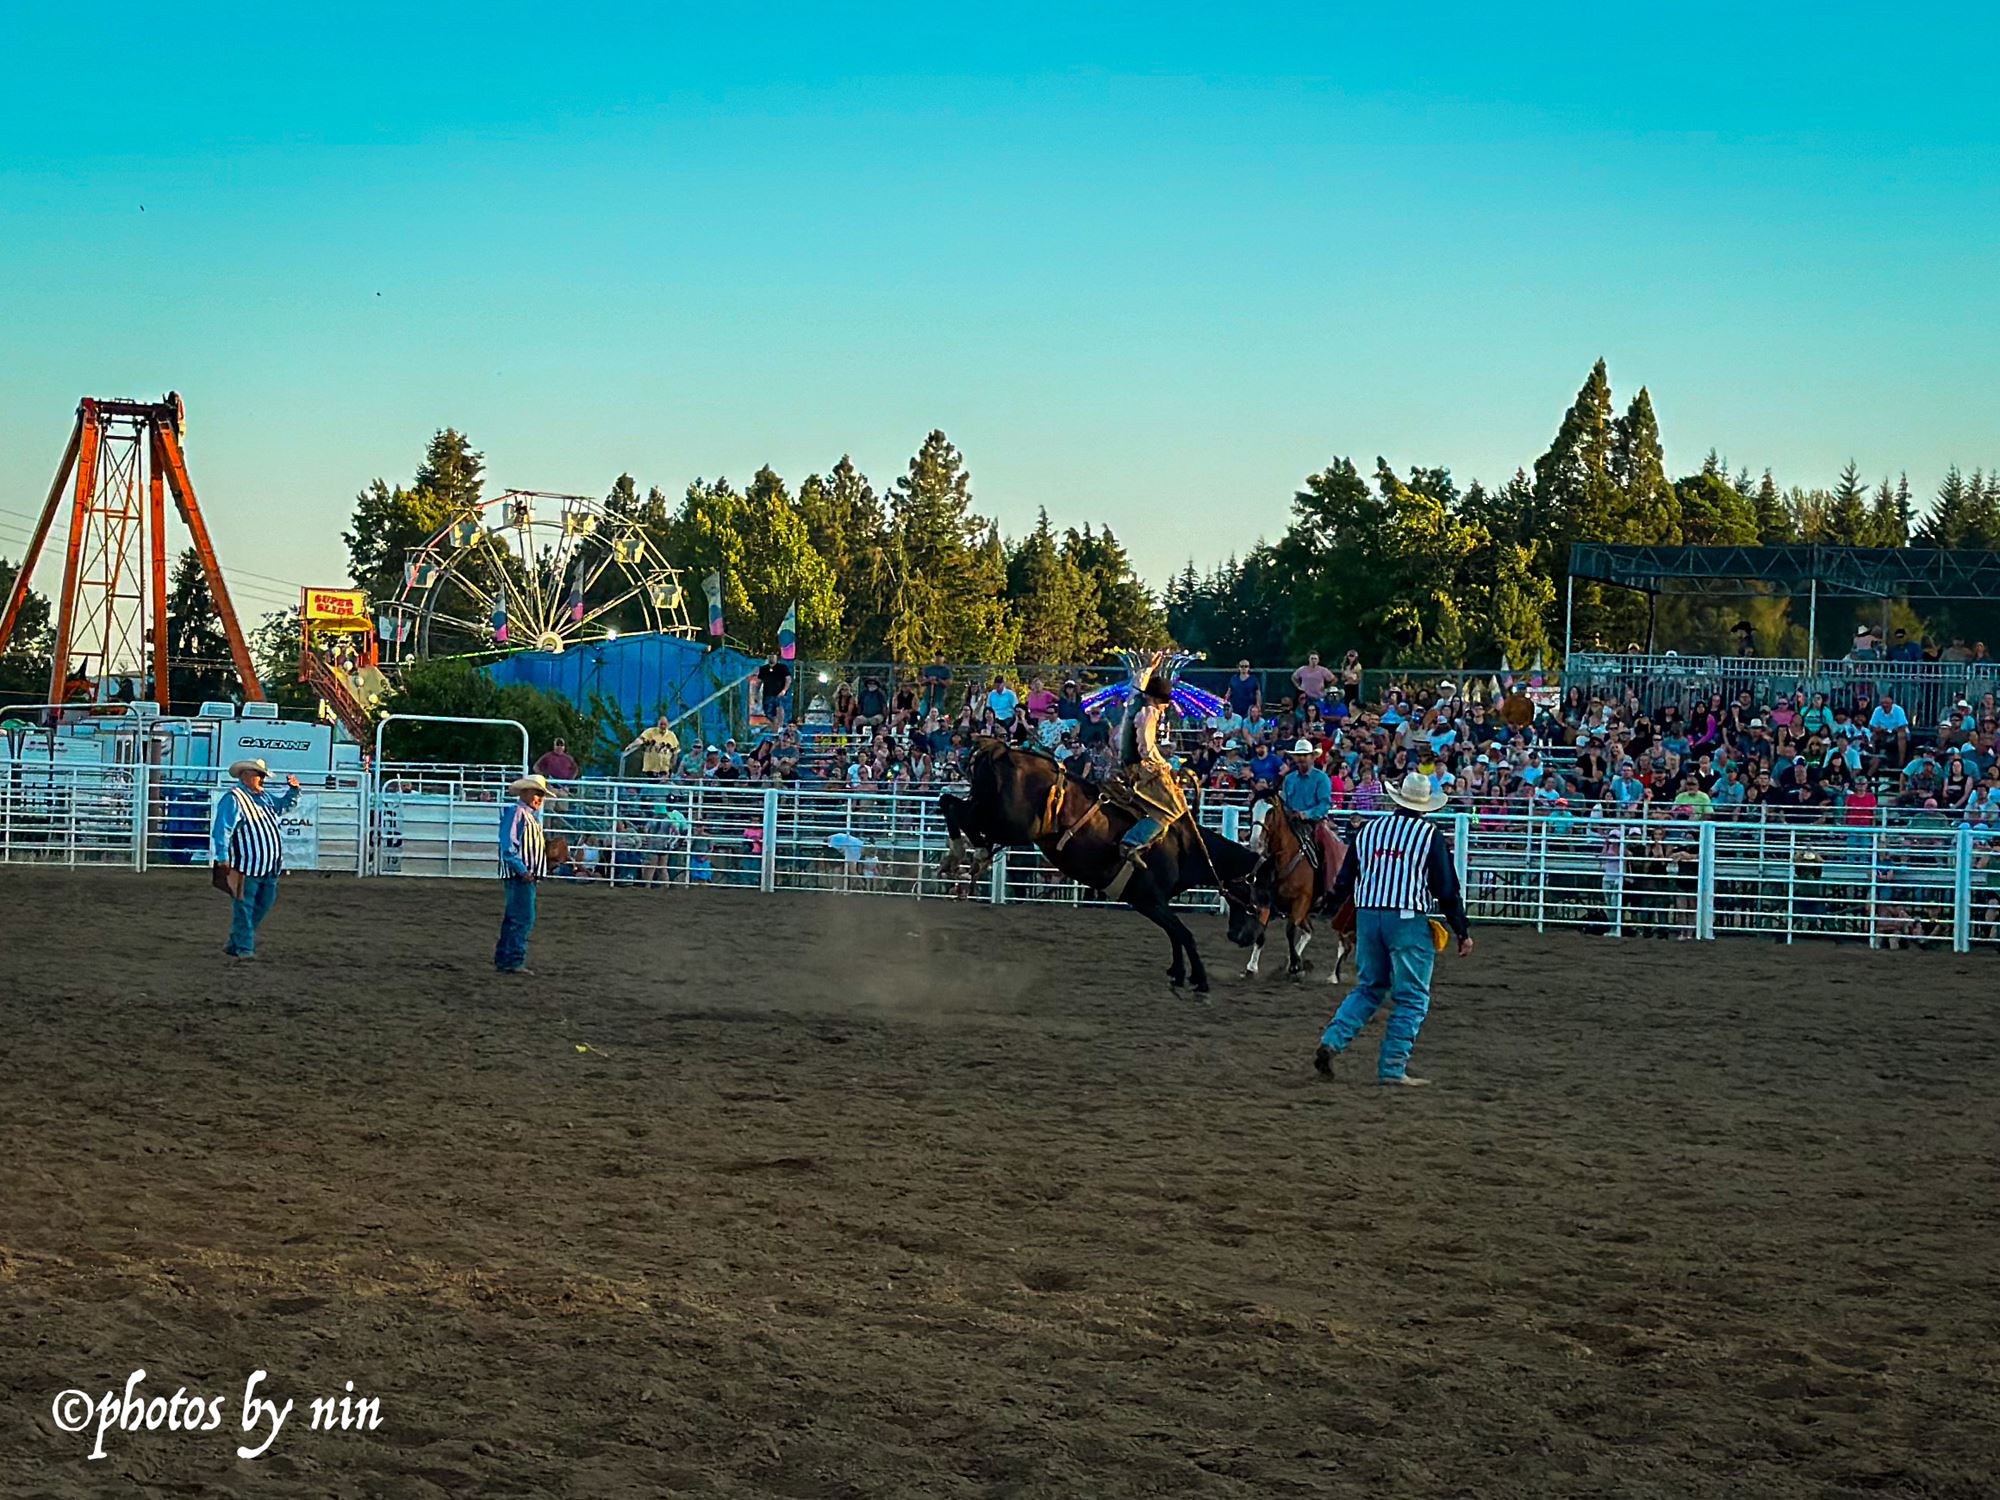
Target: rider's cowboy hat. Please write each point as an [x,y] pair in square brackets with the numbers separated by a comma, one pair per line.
[244,768]
[533,784]
[1303,747]
[1418,793]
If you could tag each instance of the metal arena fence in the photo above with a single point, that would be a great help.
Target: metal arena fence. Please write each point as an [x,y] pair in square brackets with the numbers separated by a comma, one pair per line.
[1890,883]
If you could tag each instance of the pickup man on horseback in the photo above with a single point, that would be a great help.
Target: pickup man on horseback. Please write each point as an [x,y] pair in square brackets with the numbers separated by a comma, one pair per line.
[1307,793]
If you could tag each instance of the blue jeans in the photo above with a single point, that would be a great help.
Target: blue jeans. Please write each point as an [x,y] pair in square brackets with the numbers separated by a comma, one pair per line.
[515,925]
[1394,957]
[247,913]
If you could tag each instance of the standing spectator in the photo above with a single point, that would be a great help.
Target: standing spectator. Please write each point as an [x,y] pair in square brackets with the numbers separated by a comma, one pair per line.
[774,680]
[937,684]
[1312,681]
[661,747]
[1245,694]
[1041,702]
[1350,679]
[556,763]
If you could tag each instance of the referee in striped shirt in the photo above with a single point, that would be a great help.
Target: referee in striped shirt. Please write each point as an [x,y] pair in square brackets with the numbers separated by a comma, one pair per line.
[247,848]
[1399,870]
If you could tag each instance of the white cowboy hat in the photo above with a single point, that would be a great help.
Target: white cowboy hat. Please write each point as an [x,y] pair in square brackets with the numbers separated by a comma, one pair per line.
[248,768]
[1304,746]
[533,784]
[1418,793]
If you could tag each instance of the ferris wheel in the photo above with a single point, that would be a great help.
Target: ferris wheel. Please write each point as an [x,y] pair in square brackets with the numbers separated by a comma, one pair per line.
[527,571]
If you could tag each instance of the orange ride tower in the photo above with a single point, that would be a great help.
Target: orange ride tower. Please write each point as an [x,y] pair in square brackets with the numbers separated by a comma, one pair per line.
[111,616]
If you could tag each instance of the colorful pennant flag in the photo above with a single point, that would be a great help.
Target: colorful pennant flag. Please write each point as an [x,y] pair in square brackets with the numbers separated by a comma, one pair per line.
[576,593]
[712,586]
[788,633]
[500,616]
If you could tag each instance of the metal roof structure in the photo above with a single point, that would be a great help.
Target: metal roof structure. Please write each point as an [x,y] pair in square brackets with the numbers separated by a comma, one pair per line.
[1916,574]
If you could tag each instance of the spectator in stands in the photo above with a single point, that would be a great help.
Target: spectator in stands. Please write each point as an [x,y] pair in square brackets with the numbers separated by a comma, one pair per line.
[1923,780]
[774,681]
[1312,681]
[1245,694]
[1865,648]
[1041,702]
[556,763]
[937,684]
[1095,732]
[1905,649]
[659,748]
[871,705]
[1003,703]
[1889,729]
[1351,677]
[1069,705]
[843,705]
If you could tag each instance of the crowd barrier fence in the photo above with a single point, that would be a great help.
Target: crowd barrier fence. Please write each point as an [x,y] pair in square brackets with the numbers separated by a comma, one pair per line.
[1662,877]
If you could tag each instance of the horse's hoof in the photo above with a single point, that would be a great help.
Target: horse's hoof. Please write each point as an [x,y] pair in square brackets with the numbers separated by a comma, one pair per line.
[1323,1062]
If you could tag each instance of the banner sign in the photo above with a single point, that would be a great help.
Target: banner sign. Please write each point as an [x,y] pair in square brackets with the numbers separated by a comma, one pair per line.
[325,607]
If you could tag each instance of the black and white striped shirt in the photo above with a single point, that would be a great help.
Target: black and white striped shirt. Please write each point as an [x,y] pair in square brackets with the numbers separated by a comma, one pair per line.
[523,848]
[256,846]
[1403,863]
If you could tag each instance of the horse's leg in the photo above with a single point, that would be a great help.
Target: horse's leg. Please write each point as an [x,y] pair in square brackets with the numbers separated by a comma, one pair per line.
[1185,937]
[1257,944]
[1341,949]
[1148,903]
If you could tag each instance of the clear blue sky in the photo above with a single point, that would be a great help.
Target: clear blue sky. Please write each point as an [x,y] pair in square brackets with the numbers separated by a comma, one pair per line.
[1149,265]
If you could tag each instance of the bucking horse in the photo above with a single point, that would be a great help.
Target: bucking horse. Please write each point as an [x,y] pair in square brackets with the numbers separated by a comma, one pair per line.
[1020,798]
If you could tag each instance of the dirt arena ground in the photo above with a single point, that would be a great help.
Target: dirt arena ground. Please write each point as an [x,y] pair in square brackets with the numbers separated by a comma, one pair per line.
[785,1196]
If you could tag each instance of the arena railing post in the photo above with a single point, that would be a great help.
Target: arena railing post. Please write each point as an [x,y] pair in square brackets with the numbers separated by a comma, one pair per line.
[1461,852]
[998,876]
[767,874]
[141,792]
[1961,893]
[1704,882]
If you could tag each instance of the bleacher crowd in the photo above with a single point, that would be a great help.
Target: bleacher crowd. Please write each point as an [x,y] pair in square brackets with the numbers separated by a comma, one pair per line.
[1493,747]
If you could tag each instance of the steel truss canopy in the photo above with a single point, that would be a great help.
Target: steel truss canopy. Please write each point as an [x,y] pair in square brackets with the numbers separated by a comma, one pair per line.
[1915,574]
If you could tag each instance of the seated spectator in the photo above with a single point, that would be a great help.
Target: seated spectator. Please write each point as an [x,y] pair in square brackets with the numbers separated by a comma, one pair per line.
[1069,706]
[1002,702]
[1923,780]
[871,708]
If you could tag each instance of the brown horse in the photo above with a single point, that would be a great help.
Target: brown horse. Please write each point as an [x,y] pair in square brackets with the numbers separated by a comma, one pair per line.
[1021,798]
[1285,881]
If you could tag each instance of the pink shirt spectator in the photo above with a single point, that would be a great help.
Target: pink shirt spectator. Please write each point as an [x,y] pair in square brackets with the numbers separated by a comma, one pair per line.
[1313,681]
[1042,705]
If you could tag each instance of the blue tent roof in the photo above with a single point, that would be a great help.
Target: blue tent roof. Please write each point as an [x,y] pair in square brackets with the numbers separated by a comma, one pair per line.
[644,675]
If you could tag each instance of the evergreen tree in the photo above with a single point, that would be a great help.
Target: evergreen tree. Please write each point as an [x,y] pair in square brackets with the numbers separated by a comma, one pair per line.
[1132,619]
[848,527]
[1714,513]
[1775,526]
[1578,499]
[24,669]
[1651,512]
[949,592]
[390,523]
[1889,514]
[1847,521]
[1953,514]
[1052,602]
[199,666]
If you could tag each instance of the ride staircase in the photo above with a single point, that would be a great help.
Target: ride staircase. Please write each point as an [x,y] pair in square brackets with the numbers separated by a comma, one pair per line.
[333,690]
